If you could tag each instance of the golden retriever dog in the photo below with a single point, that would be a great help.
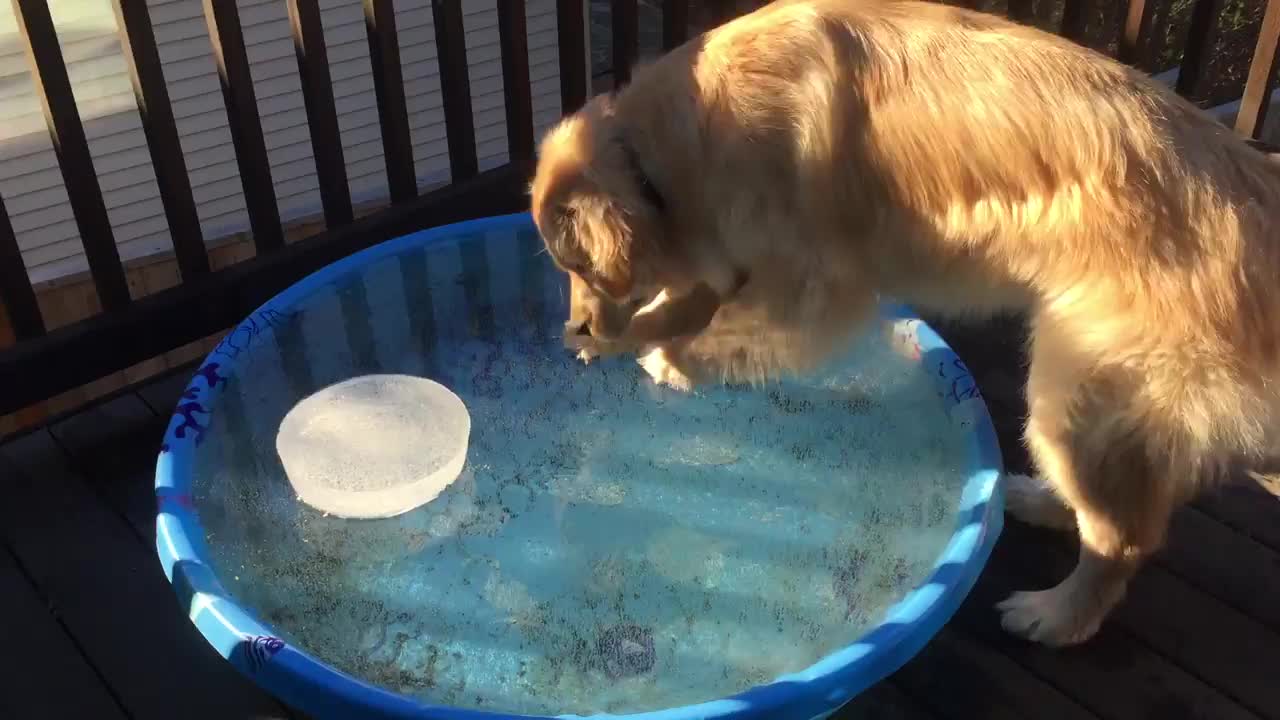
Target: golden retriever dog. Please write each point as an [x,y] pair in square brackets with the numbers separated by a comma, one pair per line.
[770,179]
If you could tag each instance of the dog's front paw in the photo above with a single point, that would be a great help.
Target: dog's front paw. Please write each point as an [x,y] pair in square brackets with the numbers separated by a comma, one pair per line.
[587,348]
[657,363]
[1049,617]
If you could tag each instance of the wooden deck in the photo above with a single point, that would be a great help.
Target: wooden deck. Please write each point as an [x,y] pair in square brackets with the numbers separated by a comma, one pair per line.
[91,629]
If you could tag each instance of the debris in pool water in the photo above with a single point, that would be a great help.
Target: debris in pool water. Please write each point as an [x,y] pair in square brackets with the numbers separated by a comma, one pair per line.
[626,651]
[585,488]
[688,557]
[699,450]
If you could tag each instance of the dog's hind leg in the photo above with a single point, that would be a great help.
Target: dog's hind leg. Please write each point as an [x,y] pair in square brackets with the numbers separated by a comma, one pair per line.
[1097,462]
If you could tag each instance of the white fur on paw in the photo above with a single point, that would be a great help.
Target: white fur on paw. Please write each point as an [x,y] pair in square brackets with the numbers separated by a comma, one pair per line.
[1046,617]
[663,372]
[1032,501]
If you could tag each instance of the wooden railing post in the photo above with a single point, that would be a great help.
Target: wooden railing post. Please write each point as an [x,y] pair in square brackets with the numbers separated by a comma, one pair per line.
[322,117]
[388,88]
[1075,19]
[1022,11]
[1139,44]
[675,23]
[53,87]
[455,87]
[513,36]
[722,11]
[142,58]
[626,39]
[252,160]
[16,295]
[572,31]
[1262,75]
[1201,36]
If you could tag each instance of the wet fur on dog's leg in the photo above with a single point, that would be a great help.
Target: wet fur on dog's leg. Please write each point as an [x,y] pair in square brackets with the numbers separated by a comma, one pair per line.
[664,327]
[669,318]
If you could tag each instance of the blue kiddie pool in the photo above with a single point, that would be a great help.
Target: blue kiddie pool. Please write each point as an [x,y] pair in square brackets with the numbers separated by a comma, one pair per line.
[602,547]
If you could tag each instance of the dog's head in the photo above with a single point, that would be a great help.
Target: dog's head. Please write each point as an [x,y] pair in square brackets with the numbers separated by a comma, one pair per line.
[601,218]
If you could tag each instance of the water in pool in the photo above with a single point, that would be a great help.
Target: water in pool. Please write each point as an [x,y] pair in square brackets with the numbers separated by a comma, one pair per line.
[610,546]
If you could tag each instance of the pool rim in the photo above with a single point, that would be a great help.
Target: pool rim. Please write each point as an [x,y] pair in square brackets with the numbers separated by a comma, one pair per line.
[309,684]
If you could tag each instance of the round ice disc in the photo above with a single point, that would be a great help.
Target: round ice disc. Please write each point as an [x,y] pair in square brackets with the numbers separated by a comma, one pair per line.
[374,446]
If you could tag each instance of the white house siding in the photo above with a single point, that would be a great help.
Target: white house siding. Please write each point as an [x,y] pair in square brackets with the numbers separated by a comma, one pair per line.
[32,186]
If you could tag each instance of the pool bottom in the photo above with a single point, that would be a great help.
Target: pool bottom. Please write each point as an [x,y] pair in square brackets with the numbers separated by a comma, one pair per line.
[655,550]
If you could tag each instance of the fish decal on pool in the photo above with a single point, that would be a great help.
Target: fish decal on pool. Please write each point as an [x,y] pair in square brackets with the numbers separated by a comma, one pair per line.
[186,410]
[209,373]
[259,649]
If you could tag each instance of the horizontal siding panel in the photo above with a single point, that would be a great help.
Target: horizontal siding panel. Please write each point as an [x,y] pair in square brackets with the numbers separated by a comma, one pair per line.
[166,13]
[78,48]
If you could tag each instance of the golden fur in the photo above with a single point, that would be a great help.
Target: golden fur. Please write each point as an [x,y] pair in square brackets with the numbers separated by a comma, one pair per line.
[830,150]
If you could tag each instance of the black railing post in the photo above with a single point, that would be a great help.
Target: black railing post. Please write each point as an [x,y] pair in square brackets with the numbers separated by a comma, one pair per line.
[16,295]
[1201,37]
[53,87]
[142,57]
[455,87]
[571,28]
[513,35]
[626,39]
[388,87]
[322,117]
[238,95]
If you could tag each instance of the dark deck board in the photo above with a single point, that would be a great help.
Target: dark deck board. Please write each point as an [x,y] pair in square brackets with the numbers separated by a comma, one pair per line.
[1250,582]
[1204,637]
[1217,643]
[883,702]
[161,394]
[1247,507]
[109,591]
[960,678]
[113,448]
[42,674]
[1114,675]
[113,423]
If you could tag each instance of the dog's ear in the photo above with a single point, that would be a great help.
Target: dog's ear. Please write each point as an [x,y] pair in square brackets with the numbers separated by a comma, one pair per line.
[596,211]
[606,233]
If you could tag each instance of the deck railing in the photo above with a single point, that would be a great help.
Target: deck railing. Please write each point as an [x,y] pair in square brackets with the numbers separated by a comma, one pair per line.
[39,363]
